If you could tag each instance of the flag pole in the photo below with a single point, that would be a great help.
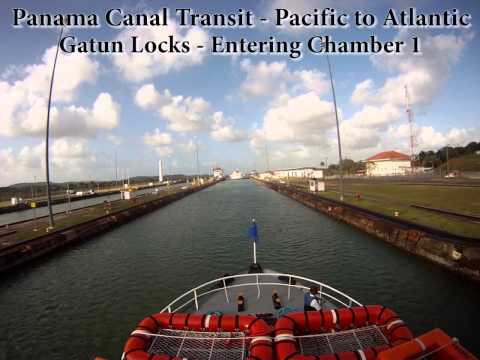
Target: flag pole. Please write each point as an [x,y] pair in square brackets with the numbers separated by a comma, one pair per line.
[254,245]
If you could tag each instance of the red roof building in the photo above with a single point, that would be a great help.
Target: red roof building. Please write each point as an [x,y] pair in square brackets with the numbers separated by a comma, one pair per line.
[389,155]
[388,163]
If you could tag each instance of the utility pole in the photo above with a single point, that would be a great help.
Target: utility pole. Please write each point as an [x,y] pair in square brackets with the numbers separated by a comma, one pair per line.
[116,169]
[448,167]
[35,206]
[47,133]
[69,206]
[196,157]
[267,160]
[338,130]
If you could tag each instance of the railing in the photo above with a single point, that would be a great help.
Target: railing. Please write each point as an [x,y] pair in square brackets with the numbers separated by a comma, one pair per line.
[192,296]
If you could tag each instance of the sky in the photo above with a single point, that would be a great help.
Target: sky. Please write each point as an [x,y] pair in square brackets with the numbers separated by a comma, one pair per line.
[236,109]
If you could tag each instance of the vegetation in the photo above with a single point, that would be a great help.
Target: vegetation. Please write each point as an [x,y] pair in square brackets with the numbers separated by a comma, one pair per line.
[350,167]
[470,162]
[439,158]
[419,216]
[388,198]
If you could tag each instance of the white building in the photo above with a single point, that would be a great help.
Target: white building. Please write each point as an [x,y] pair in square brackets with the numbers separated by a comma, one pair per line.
[388,163]
[218,173]
[303,172]
[266,175]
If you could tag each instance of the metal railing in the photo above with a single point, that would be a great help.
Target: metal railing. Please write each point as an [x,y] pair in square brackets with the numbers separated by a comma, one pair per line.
[193,295]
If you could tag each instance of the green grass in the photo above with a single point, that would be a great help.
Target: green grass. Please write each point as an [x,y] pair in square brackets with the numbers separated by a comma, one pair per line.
[388,198]
[454,198]
[419,216]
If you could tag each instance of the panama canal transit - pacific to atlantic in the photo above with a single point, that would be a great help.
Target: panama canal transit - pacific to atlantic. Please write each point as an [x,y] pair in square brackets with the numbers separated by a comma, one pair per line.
[318,18]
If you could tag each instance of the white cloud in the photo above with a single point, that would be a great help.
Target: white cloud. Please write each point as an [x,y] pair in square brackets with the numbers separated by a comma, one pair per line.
[70,159]
[224,130]
[382,107]
[24,101]
[115,139]
[137,67]
[274,78]
[66,121]
[428,138]
[105,113]
[303,119]
[263,78]
[160,141]
[183,114]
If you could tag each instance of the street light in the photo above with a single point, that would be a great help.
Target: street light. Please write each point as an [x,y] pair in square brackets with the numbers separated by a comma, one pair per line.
[338,128]
[47,165]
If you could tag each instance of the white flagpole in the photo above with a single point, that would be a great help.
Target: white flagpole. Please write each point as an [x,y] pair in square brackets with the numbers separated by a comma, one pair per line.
[254,247]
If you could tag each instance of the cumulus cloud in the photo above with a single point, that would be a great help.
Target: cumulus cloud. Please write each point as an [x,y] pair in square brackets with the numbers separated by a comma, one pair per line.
[429,138]
[274,78]
[70,159]
[66,121]
[137,67]
[382,107]
[224,130]
[183,114]
[304,118]
[159,141]
[24,100]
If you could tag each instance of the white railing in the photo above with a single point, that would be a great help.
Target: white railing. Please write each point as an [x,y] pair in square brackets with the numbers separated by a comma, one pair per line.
[192,295]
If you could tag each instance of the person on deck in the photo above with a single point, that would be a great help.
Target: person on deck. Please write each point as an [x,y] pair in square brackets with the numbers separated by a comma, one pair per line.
[311,301]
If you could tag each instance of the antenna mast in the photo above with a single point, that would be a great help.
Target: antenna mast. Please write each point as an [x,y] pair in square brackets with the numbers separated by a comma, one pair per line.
[412,129]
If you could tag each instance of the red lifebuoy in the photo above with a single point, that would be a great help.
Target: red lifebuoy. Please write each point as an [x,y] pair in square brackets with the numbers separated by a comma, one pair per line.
[307,322]
[260,346]
[433,341]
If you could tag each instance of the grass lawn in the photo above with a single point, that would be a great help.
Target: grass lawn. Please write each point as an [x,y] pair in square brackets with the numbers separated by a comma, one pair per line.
[388,198]
[455,198]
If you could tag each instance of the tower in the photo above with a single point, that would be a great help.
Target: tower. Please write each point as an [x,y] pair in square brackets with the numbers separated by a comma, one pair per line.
[160,171]
[411,128]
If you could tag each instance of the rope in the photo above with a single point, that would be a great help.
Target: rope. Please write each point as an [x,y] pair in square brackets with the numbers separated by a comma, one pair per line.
[193,337]
[437,349]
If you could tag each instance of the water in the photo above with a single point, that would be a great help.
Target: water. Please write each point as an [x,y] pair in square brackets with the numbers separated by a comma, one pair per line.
[85,301]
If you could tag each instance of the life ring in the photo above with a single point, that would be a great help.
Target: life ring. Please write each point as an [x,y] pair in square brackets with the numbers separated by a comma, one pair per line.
[260,347]
[435,341]
[286,347]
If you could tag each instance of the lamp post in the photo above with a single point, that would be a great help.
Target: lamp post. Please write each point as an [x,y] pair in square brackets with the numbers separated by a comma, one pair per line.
[338,129]
[47,164]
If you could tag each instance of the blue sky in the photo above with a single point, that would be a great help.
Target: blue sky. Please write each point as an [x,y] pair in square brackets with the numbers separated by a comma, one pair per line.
[159,106]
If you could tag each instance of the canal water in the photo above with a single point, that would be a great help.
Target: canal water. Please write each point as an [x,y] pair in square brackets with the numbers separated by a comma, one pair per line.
[85,300]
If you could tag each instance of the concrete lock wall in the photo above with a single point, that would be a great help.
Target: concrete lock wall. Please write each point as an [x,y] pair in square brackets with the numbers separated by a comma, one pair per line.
[456,253]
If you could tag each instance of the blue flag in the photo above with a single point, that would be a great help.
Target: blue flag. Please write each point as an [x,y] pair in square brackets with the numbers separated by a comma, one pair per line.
[252,231]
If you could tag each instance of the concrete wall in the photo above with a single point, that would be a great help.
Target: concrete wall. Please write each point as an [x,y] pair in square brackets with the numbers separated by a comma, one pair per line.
[456,253]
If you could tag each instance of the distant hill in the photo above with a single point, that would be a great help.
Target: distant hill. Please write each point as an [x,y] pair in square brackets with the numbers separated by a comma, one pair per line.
[470,162]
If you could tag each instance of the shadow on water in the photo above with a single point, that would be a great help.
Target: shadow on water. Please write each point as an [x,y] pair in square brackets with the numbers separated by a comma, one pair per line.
[85,301]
